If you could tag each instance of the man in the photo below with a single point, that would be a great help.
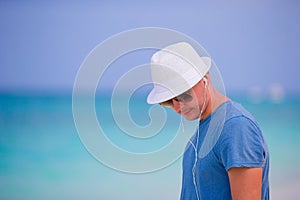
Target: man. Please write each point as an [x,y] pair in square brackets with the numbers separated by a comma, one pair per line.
[227,158]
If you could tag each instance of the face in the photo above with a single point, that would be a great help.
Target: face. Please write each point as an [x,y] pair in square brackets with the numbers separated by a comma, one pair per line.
[189,103]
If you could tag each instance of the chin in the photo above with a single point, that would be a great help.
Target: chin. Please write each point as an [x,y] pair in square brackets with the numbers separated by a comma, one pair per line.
[190,117]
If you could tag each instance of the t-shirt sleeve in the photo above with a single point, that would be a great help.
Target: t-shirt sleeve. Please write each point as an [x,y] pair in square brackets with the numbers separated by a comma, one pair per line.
[242,144]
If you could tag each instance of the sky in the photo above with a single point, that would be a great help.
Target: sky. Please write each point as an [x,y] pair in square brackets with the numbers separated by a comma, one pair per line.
[255,44]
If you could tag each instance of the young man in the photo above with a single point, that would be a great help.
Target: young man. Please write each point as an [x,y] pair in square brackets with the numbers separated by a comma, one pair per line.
[227,158]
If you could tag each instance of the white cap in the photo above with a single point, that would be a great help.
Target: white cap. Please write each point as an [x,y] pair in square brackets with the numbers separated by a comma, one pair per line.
[176,69]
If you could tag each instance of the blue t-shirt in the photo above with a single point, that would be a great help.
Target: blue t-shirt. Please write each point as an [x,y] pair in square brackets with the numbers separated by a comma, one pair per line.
[229,137]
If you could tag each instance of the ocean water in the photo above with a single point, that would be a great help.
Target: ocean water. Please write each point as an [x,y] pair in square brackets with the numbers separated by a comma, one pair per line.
[42,155]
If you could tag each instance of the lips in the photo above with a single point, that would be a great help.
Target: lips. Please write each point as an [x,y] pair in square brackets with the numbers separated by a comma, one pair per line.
[186,112]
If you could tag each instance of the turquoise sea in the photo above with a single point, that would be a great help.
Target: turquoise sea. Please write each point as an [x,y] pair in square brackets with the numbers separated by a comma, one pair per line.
[42,156]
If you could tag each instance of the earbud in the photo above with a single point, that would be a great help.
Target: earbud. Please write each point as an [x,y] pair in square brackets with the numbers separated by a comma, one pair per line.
[205,82]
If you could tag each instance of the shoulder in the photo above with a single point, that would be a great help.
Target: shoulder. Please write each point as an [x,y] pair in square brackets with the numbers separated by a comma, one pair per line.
[241,130]
[234,109]
[240,124]
[241,142]
[238,116]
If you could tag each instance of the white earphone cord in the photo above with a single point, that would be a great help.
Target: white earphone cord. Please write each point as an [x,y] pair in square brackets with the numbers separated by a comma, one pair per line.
[195,147]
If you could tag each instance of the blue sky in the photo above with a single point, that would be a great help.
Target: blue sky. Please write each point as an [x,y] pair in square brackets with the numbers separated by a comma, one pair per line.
[255,44]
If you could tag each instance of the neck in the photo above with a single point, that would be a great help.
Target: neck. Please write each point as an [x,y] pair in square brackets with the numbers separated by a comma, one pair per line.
[214,100]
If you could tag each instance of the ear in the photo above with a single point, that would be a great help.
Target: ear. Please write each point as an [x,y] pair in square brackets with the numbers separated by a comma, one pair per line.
[205,81]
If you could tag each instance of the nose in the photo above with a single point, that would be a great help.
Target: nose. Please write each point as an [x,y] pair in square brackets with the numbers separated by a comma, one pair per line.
[177,106]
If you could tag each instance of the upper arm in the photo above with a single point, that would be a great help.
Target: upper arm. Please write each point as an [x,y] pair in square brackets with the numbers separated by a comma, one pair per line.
[245,183]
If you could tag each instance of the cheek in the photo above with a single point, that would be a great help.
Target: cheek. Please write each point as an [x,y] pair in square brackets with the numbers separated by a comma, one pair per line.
[200,100]
[194,104]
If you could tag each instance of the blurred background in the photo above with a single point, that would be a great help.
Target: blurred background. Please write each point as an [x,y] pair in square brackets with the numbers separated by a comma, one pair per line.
[255,45]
